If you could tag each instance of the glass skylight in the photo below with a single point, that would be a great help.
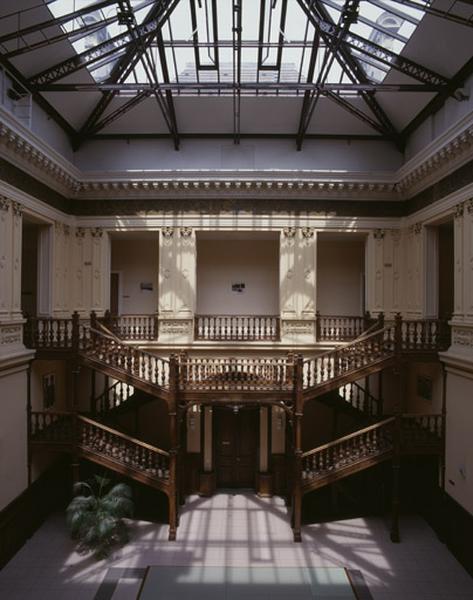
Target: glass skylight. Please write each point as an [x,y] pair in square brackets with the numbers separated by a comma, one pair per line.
[276,42]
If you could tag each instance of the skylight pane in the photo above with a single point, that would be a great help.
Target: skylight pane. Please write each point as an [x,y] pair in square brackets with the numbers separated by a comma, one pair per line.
[387,24]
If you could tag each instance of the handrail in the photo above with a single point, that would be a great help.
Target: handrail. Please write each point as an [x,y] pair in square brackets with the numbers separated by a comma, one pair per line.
[120,342]
[341,347]
[124,436]
[350,436]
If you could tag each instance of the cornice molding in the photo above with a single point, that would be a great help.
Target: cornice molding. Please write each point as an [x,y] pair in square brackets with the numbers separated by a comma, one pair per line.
[28,151]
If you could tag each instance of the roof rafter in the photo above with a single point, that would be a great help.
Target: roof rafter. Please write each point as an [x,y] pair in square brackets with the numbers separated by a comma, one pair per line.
[352,68]
[348,16]
[111,46]
[166,105]
[124,67]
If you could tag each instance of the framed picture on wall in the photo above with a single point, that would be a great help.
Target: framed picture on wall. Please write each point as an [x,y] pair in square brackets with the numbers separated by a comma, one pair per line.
[424,387]
[49,390]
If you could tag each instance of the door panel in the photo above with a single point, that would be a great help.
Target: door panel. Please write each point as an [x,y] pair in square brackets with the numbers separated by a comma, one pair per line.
[236,447]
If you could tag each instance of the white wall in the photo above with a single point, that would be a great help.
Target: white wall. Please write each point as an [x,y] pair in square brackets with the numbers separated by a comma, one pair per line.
[148,155]
[137,262]
[13,434]
[340,269]
[252,262]
[459,448]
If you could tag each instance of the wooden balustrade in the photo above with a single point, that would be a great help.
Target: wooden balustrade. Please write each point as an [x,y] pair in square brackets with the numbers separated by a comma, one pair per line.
[134,454]
[422,430]
[424,335]
[342,453]
[51,427]
[340,328]
[113,397]
[237,328]
[137,363]
[250,374]
[331,365]
[132,327]
[48,333]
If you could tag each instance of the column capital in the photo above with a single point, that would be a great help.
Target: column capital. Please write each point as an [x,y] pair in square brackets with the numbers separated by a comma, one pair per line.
[4,203]
[459,210]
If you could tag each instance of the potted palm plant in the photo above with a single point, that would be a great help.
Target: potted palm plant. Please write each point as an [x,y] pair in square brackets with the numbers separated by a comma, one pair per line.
[95,515]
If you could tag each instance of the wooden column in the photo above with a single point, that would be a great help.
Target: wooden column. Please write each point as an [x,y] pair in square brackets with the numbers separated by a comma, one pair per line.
[297,470]
[399,371]
[74,375]
[174,450]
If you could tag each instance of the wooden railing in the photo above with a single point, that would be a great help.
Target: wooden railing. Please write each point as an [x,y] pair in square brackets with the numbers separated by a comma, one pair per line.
[353,357]
[422,430]
[48,333]
[340,328]
[425,335]
[113,397]
[342,453]
[51,427]
[237,328]
[132,327]
[236,374]
[134,454]
[360,398]
[139,364]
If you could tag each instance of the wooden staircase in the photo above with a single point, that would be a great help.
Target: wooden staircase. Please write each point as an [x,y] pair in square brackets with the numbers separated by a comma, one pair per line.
[408,434]
[100,444]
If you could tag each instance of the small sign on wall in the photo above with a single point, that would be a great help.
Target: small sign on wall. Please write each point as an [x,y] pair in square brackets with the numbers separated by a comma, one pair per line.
[239,288]
[146,286]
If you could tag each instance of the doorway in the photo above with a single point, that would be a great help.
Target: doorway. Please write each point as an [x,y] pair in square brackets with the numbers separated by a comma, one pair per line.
[236,446]
[114,293]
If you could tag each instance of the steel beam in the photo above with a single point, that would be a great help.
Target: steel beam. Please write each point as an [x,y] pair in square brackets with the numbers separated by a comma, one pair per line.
[355,72]
[372,88]
[166,105]
[376,52]
[348,16]
[111,46]
[56,22]
[122,69]
[436,103]
[74,35]
[237,21]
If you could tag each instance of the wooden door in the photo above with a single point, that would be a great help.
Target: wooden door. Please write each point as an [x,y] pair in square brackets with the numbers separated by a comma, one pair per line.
[236,437]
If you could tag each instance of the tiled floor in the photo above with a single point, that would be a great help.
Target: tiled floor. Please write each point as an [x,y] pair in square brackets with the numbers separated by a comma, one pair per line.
[239,530]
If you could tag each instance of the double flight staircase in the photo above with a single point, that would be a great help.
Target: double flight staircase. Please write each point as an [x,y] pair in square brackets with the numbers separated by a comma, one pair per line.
[288,382]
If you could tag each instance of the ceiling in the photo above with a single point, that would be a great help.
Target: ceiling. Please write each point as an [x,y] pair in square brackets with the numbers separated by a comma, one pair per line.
[362,69]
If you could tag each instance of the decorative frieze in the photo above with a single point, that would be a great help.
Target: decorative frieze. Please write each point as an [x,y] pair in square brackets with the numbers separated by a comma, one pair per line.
[462,337]
[378,234]
[4,203]
[11,334]
[293,327]
[176,327]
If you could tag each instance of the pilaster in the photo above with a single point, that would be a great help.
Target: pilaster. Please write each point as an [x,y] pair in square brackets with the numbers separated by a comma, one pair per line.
[297,284]
[177,283]
[11,318]
[458,251]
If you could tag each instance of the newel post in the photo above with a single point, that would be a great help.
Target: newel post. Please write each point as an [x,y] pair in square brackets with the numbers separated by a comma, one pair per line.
[398,337]
[174,450]
[75,333]
[395,506]
[317,326]
[298,411]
